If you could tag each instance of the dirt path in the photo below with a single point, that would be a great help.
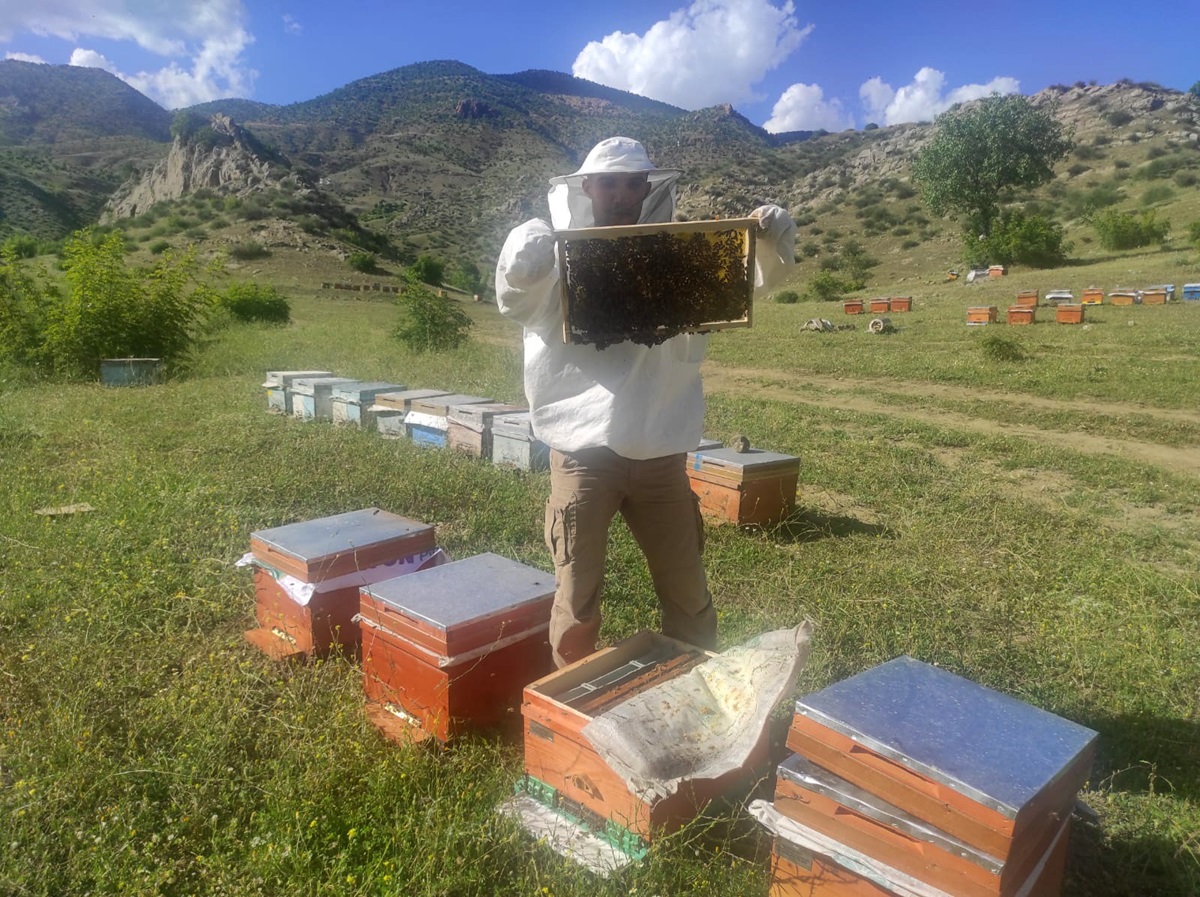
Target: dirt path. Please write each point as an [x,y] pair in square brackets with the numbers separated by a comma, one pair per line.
[1186,461]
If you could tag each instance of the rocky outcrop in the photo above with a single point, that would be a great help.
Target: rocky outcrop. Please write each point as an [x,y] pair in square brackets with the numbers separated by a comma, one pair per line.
[224,158]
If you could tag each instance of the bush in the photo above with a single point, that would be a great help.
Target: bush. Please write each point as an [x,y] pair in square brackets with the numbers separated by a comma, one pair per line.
[810,249]
[429,322]
[787,297]
[20,246]
[248,251]
[428,270]
[23,304]
[999,348]
[364,262]
[255,302]
[1077,169]
[1194,234]
[1185,178]
[158,247]
[1125,230]
[1156,194]
[1119,117]
[828,287]
[1018,238]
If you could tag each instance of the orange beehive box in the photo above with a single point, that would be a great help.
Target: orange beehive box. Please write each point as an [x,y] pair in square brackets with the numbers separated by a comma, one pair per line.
[452,647]
[853,306]
[981,314]
[1027,298]
[1069,314]
[996,271]
[754,487]
[307,576]
[880,306]
[1091,296]
[899,303]
[558,706]
[798,871]
[1154,297]
[1123,297]
[1021,315]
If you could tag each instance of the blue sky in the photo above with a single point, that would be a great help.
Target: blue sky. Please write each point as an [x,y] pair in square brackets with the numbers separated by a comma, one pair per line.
[784,64]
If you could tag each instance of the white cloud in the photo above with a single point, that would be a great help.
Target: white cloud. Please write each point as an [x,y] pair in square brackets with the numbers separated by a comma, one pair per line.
[200,41]
[290,25]
[925,98]
[713,52]
[25,57]
[803,107]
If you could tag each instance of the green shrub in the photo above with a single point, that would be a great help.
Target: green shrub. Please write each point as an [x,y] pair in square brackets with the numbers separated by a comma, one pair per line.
[1118,117]
[1194,234]
[1125,230]
[255,302]
[20,246]
[910,244]
[1156,194]
[428,270]
[248,251]
[1019,238]
[23,304]
[364,262]
[429,322]
[1077,169]
[1121,164]
[1087,153]
[828,287]
[810,249]
[1000,348]
[158,247]
[1185,178]
[787,297]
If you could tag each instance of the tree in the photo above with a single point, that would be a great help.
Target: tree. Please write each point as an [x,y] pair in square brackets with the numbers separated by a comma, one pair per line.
[983,152]
[428,270]
[1194,90]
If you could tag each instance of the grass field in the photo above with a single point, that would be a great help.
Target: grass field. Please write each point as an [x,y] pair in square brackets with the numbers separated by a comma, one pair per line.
[1031,524]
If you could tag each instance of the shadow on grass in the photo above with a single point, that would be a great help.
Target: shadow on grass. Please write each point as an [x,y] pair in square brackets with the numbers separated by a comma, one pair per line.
[1140,753]
[809,525]
[1127,864]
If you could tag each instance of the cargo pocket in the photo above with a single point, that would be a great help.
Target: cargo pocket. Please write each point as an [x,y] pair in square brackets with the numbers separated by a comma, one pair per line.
[700,536]
[560,530]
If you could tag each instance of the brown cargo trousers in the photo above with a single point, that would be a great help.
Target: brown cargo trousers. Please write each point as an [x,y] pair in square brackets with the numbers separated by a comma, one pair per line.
[587,488]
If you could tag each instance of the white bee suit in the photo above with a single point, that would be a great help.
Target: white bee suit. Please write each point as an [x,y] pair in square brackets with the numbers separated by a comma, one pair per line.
[639,401]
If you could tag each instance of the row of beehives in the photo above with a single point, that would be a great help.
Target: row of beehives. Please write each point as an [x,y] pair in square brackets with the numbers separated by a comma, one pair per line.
[877,306]
[907,779]
[747,487]
[1159,294]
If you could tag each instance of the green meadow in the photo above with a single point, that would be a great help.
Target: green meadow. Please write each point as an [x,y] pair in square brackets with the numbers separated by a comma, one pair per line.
[1018,505]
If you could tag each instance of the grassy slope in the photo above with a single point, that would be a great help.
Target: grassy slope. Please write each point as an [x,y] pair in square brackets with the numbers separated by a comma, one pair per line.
[144,746]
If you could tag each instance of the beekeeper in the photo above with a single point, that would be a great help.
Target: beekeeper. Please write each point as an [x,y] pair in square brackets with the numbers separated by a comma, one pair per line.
[619,420]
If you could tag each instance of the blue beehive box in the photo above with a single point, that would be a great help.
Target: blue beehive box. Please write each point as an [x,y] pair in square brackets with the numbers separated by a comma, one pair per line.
[278,383]
[312,397]
[426,422]
[514,445]
[388,411]
[351,403]
[1191,292]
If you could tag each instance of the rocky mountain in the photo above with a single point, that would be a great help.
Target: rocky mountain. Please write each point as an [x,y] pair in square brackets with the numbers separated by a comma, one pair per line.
[444,158]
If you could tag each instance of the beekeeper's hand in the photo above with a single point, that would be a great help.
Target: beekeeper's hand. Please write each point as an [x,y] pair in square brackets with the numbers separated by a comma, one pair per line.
[533,261]
[773,221]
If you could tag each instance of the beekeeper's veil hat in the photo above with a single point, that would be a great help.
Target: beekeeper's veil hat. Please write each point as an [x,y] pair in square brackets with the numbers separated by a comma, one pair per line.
[570,207]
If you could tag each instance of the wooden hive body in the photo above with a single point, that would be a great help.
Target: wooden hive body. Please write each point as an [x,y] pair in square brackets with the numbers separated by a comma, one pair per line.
[1091,296]
[426,422]
[557,754]
[880,306]
[350,404]
[312,397]
[1123,297]
[980,766]
[452,647]
[277,386]
[469,428]
[1021,314]
[1154,297]
[981,314]
[747,488]
[648,282]
[514,445]
[899,303]
[1027,298]
[853,306]
[336,556]
[1069,314]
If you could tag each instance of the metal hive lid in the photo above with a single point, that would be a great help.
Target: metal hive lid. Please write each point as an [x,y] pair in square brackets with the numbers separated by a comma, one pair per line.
[994,748]
[311,540]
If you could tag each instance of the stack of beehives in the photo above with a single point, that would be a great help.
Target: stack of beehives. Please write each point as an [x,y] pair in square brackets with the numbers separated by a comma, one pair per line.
[908,780]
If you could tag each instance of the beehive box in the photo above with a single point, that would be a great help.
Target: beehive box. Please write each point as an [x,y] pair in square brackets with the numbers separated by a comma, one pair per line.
[514,445]
[1022,315]
[880,306]
[350,403]
[853,306]
[469,427]
[1060,297]
[647,283]
[1154,297]
[747,488]
[864,822]
[329,559]
[1027,298]
[312,397]
[899,303]
[426,422]
[801,871]
[558,755]
[277,384]
[982,767]
[1191,292]
[1124,297]
[1069,314]
[1092,296]
[452,647]
[995,271]
[981,314]
[389,409]
[1168,288]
